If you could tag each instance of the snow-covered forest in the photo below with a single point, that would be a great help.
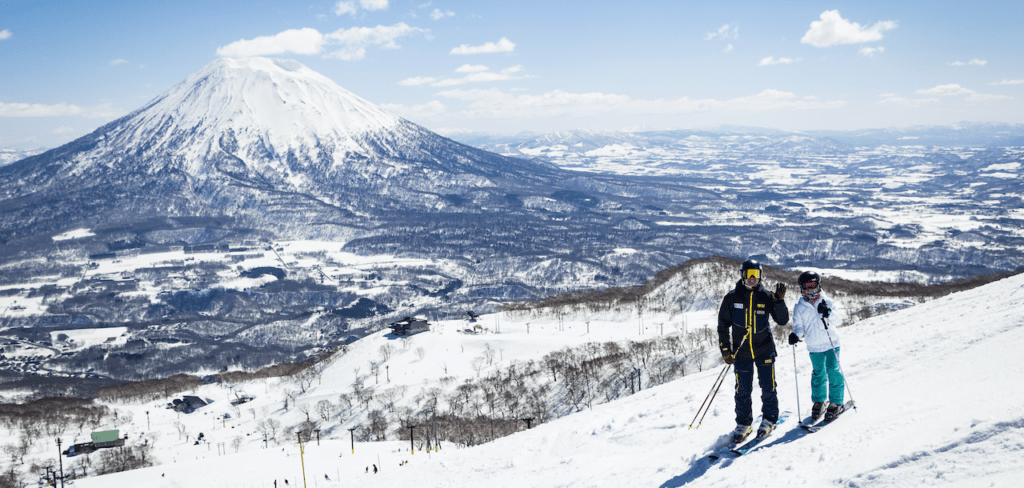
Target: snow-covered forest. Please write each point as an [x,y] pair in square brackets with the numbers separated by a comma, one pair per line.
[596,386]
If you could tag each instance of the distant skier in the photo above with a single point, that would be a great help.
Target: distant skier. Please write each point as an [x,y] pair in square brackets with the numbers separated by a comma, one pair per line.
[743,321]
[810,316]
[374,469]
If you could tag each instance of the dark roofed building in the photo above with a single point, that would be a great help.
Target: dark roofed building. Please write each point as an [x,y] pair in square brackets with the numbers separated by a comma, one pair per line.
[409,326]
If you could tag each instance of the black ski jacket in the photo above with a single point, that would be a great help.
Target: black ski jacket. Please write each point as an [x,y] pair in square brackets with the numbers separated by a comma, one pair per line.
[744,312]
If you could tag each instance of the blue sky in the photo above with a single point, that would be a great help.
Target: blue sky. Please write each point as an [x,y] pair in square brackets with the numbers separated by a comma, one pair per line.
[504,67]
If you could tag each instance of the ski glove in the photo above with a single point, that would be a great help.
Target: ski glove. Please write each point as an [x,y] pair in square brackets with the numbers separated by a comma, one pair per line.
[793,339]
[780,292]
[824,310]
[728,358]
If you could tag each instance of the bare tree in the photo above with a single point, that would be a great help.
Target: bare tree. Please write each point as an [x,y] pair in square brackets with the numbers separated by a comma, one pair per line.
[488,353]
[478,364]
[386,351]
[325,409]
[305,409]
[375,371]
[306,378]
[268,427]
[422,353]
[12,477]
[344,401]
[182,429]
[236,443]
[124,458]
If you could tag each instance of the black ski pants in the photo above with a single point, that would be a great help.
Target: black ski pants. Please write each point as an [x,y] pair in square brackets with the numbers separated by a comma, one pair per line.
[745,386]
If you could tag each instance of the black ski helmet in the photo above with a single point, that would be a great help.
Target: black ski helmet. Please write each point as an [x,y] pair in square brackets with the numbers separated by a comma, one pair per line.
[811,294]
[749,264]
[807,277]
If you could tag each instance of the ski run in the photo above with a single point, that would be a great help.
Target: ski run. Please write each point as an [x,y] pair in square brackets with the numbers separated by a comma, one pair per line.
[937,387]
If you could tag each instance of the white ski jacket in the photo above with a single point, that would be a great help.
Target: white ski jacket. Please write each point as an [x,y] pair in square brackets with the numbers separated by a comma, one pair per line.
[807,324]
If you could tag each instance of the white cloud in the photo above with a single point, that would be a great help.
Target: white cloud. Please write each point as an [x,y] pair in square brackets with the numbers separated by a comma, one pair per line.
[502,46]
[724,32]
[728,48]
[118,61]
[770,60]
[342,8]
[892,98]
[425,110]
[297,41]
[64,130]
[5,34]
[57,110]
[946,90]
[351,7]
[871,51]
[832,29]
[374,4]
[471,68]
[351,43]
[417,80]
[954,89]
[973,62]
[1008,82]
[354,41]
[476,75]
[437,14]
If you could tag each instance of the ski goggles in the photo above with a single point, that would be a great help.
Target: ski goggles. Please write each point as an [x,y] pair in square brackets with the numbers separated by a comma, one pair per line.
[752,273]
[810,291]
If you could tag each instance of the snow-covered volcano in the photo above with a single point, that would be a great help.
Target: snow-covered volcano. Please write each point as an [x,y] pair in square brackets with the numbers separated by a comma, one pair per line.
[263,141]
[269,107]
[277,121]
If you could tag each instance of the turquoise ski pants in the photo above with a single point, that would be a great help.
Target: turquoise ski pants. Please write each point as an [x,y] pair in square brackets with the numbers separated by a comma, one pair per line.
[826,380]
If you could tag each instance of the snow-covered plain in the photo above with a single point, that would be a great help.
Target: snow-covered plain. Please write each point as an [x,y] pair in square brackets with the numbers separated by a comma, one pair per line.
[937,389]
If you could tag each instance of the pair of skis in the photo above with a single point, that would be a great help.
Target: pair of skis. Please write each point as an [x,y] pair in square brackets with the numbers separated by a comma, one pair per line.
[813,425]
[735,449]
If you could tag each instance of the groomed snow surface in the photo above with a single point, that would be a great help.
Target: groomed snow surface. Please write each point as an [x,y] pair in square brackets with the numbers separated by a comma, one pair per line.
[938,388]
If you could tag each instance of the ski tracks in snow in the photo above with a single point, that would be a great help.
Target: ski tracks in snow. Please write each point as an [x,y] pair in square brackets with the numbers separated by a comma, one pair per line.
[965,462]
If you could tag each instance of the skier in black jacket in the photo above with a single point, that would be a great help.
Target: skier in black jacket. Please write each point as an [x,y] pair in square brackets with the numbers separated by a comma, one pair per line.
[745,338]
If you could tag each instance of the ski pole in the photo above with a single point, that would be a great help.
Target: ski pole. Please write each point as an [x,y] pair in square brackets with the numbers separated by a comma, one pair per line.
[796,380]
[714,386]
[718,385]
[839,363]
[713,398]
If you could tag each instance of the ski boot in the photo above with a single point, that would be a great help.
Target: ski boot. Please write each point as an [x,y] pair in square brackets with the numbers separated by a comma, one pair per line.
[739,433]
[816,410]
[833,411]
[766,428]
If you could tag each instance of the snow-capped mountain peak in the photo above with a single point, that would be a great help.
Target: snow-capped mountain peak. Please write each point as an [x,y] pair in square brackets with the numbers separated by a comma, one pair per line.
[270,104]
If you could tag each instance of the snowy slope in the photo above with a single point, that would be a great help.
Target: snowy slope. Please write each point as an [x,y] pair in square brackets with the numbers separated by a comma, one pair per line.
[939,405]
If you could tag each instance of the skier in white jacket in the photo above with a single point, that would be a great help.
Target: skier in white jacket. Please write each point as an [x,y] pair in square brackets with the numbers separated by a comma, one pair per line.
[815,320]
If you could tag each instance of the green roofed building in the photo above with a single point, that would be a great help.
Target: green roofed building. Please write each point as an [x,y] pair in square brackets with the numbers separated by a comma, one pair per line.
[107,438]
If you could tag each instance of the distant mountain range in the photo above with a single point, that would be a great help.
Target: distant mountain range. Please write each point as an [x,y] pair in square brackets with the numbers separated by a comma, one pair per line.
[970,134]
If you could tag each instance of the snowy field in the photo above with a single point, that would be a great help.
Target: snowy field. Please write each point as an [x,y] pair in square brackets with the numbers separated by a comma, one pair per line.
[936,387]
